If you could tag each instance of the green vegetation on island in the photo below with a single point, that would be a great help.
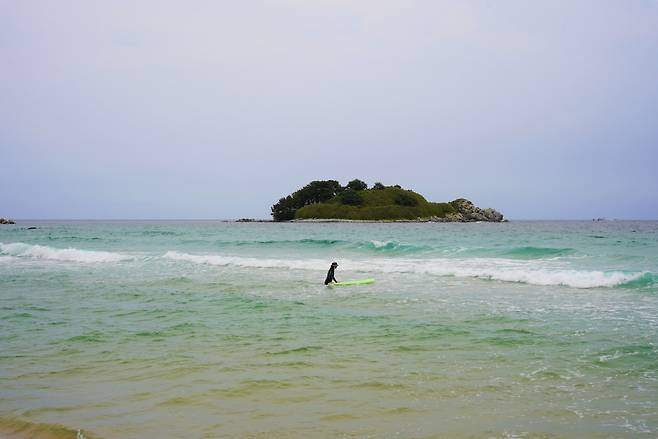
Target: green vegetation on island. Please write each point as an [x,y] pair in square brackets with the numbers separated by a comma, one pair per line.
[328,200]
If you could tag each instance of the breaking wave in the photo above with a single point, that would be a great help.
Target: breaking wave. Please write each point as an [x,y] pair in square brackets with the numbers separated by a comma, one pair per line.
[529,271]
[481,268]
[19,249]
[392,246]
[237,261]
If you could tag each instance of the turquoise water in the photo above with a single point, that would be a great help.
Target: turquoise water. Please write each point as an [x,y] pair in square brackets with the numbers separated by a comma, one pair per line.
[216,329]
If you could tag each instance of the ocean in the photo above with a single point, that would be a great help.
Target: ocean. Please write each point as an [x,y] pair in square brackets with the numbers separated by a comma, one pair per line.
[210,329]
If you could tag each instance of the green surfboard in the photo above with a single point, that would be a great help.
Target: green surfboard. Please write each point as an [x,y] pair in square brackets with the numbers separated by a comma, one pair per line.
[353,282]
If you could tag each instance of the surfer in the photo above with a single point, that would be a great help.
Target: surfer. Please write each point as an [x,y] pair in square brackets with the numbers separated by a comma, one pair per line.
[330,274]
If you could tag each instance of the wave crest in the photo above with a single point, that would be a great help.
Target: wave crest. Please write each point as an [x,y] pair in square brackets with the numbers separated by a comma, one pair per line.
[22,250]
[237,261]
[391,246]
[506,270]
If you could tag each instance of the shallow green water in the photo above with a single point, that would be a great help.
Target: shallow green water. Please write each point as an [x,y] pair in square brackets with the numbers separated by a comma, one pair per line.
[210,329]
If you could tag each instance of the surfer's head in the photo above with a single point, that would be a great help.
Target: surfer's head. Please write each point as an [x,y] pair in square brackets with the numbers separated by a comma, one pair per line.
[334,264]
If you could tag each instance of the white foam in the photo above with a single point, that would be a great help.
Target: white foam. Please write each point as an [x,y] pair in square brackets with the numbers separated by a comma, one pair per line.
[19,249]
[505,271]
[529,272]
[382,244]
[307,264]
[6,258]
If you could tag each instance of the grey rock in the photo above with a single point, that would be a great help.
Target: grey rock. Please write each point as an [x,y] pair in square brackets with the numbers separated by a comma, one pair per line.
[492,215]
[466,211]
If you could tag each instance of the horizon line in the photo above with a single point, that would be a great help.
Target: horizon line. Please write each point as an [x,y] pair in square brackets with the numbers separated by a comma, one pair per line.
[601,219]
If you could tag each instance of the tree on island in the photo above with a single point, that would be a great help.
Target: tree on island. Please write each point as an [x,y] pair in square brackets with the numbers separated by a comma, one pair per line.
[351,197]
[357,185]
[317,191]
[405,200]
[285,209]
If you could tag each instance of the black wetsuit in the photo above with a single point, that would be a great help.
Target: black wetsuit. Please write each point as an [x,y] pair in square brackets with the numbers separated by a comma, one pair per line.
[330,276]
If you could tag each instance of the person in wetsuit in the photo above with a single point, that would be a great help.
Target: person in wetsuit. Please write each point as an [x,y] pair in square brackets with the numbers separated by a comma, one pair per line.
[330,274]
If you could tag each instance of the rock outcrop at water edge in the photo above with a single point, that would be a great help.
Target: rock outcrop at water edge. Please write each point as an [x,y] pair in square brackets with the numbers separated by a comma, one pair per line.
[466,211]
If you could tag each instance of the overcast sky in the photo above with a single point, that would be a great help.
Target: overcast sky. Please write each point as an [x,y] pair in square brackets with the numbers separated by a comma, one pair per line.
[215,109]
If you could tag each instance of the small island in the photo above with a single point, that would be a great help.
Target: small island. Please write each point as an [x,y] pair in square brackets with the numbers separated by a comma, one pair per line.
[327,200]
[6,221]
